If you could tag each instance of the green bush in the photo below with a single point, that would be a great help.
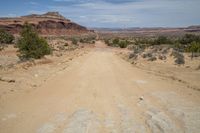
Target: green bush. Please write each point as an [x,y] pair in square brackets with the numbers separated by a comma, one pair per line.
[89,40]
[115,41]
[107,42]
[143,41]
[31,45]
[74,41]
[123,44]
[82,41]
[189,38]
[194,47]
[6,37]
[162,40]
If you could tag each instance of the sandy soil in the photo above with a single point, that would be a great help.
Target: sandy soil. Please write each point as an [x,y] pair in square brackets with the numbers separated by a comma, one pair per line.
[97,92]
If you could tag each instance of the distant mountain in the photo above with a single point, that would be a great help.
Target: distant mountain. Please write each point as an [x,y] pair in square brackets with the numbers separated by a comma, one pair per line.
[151,31]
[50,23]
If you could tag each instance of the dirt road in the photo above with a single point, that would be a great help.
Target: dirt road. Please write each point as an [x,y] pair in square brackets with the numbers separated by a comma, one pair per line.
[101,93]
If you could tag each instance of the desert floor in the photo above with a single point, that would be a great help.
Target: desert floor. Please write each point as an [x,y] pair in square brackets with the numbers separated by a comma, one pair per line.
[96,91]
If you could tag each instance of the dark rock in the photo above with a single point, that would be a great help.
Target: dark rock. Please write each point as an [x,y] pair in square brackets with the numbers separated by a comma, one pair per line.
[141,98]
[133,55]
[152,58]
[6,79]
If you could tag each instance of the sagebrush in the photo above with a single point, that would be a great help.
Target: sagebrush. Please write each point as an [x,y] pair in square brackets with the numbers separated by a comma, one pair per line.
[6,37]
[31,45]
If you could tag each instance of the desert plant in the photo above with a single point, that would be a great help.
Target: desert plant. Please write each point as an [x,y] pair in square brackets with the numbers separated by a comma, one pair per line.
[74,41]
[123,44]
[116,41]
[6,37]
[179,57]
[162,40]
[180,60]
[107,41]
[82,41]
[194,47]
[189,38]
[31,45]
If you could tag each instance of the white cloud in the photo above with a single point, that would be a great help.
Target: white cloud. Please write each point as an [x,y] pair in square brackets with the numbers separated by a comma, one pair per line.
[33,3]
[139,13]
[36,12]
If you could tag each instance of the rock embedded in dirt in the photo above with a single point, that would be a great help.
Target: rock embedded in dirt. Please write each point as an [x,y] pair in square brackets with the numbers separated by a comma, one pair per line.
[152,58]
[141,98]
[132,55]
[7,79]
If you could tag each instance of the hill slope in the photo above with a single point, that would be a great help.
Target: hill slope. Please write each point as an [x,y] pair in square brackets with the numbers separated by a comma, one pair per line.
[51,23]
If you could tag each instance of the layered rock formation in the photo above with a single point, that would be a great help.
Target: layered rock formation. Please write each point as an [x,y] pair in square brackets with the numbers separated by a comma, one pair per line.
[51,23]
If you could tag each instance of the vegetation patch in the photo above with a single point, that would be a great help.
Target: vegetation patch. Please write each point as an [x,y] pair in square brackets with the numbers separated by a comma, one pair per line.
[6,37]
[31,45]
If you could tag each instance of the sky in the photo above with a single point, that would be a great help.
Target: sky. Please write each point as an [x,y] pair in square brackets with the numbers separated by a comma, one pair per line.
[112,13]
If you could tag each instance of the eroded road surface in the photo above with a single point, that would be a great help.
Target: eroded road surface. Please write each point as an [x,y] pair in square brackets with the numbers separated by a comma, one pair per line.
[101,93]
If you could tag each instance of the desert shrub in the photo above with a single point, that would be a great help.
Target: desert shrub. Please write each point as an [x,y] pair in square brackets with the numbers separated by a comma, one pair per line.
[81,40]
[189,38]
[31,45]
[74,41]
[6,37]
[116,41]
[179,58]
[162,40]
[123,44]
[143,41]
[179,47]
[194,47]
[88,39]
[107,41]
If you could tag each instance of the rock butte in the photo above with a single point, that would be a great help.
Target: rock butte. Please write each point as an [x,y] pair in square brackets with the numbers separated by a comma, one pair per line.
[50,23]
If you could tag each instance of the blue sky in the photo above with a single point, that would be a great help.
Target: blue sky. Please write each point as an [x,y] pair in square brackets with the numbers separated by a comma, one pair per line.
[112,13]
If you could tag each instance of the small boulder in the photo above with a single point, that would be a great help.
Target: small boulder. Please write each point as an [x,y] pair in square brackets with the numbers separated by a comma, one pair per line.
[152,58]
[7,79]
[141,98]
[133,55]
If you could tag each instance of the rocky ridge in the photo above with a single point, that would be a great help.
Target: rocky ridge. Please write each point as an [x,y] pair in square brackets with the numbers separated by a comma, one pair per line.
[50,23]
